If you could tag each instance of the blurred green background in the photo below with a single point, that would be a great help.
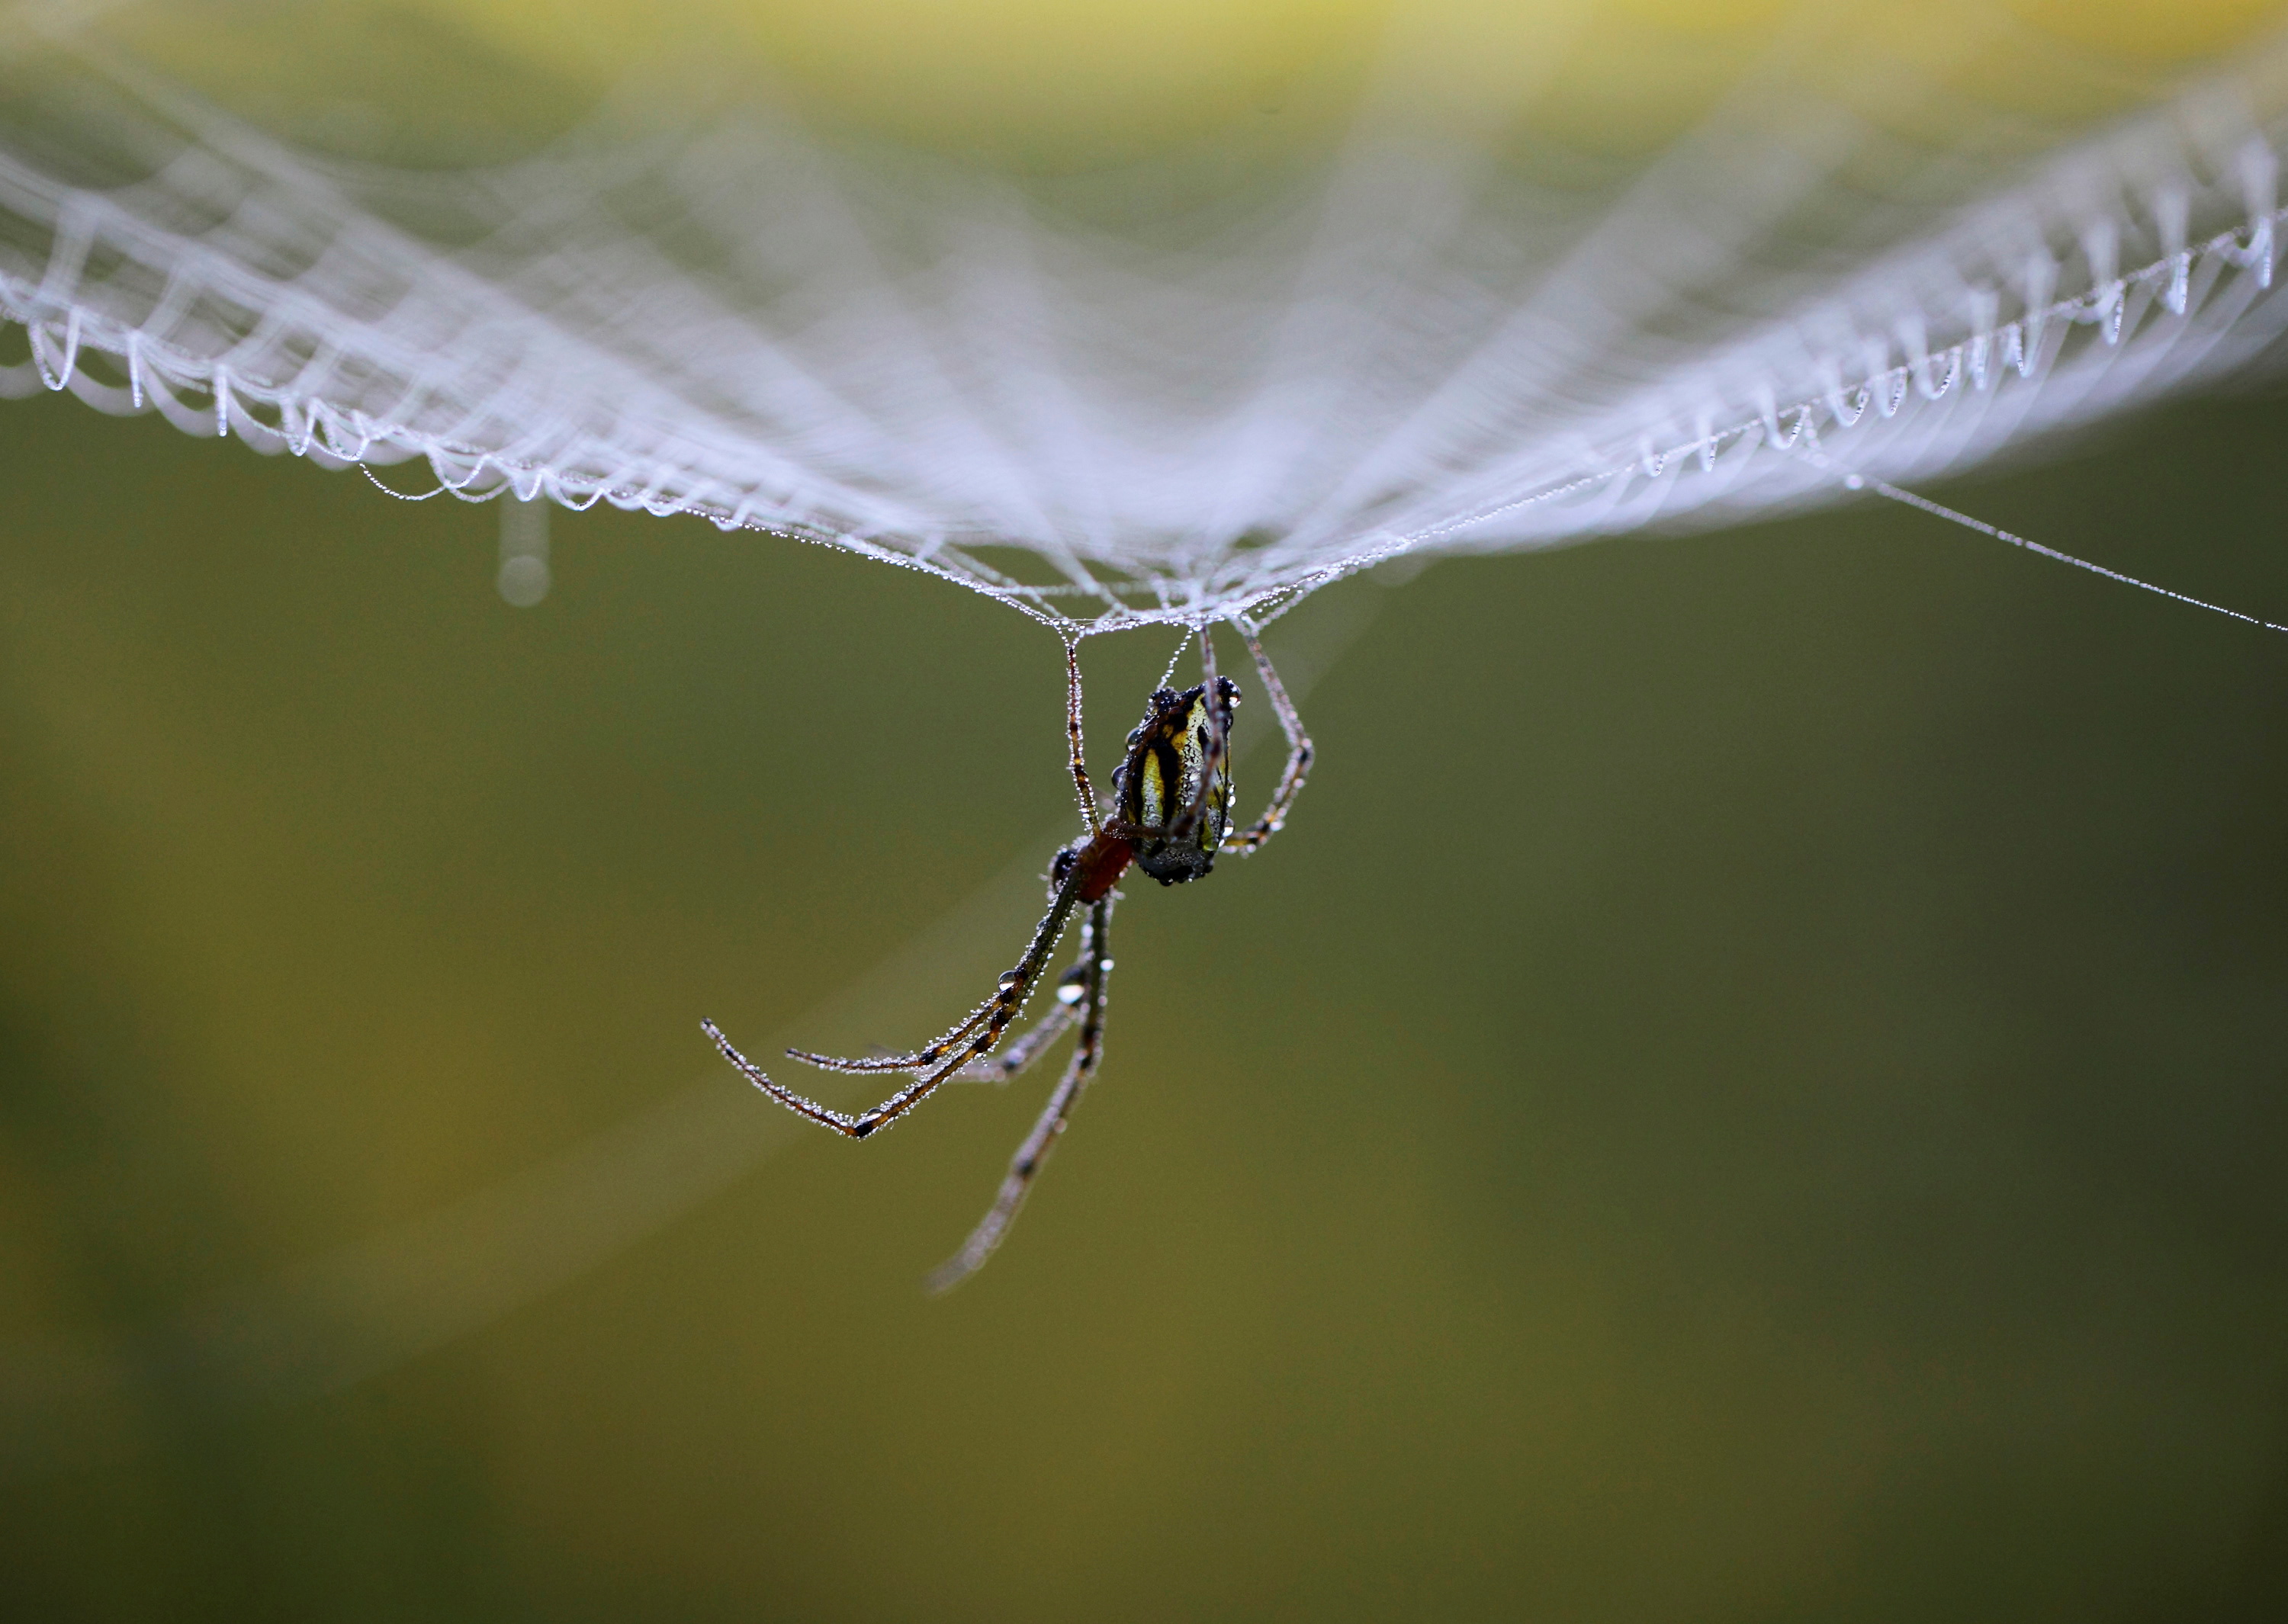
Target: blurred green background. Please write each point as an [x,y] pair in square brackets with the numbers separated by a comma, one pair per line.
[1750,1089]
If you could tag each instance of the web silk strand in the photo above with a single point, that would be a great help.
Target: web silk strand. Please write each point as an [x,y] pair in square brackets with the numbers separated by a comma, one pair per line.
[1939,509]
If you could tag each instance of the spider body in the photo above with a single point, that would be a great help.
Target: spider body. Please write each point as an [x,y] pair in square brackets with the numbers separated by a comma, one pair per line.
[1169,756]
[1176,781]
[1171,817]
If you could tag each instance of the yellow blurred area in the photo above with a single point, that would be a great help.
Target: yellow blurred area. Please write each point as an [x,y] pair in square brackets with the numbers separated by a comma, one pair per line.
[1066,84]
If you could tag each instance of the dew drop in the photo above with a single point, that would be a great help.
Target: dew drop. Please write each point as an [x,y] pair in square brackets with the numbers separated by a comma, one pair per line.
[523,581]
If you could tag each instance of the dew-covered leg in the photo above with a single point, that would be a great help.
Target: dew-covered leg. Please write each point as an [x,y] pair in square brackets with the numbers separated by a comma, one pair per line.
[853,1127]
[1027,1162]
[1071,992]
[920,1060]
[973,1037]
[1298,754]
[1029,1047]
[865,1123]
[994,1015]
[1082,787]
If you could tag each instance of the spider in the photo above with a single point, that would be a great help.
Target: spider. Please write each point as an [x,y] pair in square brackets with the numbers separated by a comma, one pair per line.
[1171,817]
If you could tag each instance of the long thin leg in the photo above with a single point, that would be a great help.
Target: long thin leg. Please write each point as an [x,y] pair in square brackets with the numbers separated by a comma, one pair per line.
[1298,754]
[1033,1044]
[1021,1053]
[1035,1151]
[859,1127]
[996,1011]
[1079,757]
[973,1037]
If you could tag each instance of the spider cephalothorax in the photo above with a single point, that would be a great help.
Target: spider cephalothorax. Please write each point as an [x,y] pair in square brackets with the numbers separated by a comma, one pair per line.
[1172,817]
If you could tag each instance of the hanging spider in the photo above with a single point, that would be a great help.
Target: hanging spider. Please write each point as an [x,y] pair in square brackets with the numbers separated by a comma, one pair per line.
[1171,817]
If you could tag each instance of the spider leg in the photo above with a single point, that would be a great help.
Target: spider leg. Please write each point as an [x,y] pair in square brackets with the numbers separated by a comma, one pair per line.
[1080,757]
[994,1015]
[920,1060]
[786,1097]
[1027,1162]
[1072,990]
[1028,1048]
[1187,818]
[866,1122]
[1298,754]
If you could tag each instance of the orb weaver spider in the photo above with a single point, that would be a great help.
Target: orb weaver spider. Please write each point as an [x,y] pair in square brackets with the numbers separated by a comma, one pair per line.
[1171,817]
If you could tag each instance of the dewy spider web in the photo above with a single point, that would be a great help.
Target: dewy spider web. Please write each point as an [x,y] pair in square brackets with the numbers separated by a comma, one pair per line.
[1111,400]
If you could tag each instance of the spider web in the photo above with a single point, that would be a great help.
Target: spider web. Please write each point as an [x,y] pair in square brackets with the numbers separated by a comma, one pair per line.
[1106,410]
